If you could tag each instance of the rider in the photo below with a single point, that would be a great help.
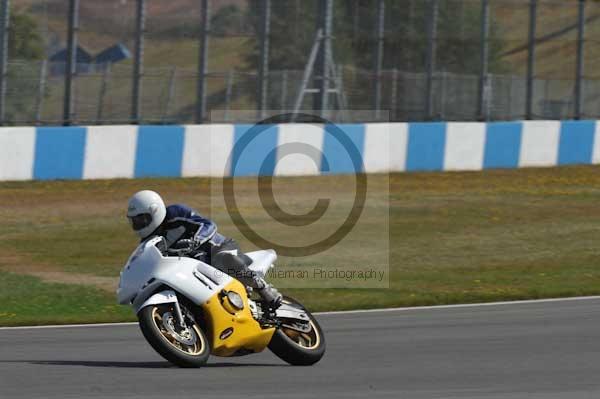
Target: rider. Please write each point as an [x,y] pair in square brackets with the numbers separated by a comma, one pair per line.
[150,217]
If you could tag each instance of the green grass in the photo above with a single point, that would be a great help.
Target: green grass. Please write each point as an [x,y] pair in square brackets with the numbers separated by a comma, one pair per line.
[450,237]
[25,300]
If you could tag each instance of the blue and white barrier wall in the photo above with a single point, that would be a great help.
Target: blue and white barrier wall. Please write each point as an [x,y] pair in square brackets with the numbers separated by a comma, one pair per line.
[99,152]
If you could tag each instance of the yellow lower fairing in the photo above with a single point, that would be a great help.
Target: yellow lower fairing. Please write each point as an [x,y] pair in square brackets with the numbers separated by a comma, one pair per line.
[245,332]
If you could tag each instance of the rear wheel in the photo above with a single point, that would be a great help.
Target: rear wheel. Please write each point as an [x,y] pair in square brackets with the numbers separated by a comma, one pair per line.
[295,347]
[183,346]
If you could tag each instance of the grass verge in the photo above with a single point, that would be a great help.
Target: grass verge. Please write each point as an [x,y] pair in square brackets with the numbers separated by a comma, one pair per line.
[452,237]
[25,300]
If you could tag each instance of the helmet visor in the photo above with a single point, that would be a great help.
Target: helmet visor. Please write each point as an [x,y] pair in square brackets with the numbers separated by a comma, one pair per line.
[138,222]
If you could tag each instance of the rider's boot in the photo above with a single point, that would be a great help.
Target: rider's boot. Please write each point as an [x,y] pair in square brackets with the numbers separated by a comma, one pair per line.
[267,292]
[237,266]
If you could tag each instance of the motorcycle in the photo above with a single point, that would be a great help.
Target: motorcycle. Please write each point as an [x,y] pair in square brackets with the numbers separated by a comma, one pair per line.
[188,310]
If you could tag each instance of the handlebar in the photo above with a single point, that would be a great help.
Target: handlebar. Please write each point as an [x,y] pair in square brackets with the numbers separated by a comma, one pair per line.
[186,247]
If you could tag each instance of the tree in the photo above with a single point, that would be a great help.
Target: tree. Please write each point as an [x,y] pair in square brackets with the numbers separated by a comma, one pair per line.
[406,35]
[293,27]
[228,20]
[24,40]
[25,48]
[293,32]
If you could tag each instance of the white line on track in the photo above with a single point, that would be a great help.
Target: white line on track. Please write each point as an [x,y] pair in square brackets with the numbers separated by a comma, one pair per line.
[464,305]
[342,312]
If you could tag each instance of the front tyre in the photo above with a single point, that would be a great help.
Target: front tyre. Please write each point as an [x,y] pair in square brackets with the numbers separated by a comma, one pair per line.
[184,347]
[299,348]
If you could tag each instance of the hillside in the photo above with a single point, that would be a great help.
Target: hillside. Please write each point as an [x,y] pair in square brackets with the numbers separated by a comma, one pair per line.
[556,34]
[172,40]
[104,23]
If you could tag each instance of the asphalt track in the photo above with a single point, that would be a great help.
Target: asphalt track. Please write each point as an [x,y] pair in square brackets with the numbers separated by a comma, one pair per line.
[526,350]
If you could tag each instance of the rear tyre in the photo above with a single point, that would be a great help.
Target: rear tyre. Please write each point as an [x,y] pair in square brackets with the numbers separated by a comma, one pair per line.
[296,348]
[184,347]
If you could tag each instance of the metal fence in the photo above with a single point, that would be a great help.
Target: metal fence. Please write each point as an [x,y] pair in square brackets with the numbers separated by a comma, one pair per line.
[198,61]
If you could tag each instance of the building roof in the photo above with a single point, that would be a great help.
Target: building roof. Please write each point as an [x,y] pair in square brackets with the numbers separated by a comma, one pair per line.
[82,56]
[113,54]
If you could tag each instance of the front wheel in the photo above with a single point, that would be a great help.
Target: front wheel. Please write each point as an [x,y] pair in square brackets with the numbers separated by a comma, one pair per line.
[299,348]
[183,346]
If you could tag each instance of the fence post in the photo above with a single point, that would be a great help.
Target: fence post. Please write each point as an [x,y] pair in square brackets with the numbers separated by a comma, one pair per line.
[263,70]
[4,26]
[103,90]
[442,95]
[170,94]
[41,91]
[531,59]
[228,94]
[380,32]
[71,66]
[517,110]
[580,57]
[324,57]
[284,83]
[341,97]
[431,55]
[394,94]
[482,111]
[202,63]
[488,96]
[138,60]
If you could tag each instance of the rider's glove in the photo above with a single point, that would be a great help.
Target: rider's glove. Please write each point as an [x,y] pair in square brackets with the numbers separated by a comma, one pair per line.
[199,240]
[184,245]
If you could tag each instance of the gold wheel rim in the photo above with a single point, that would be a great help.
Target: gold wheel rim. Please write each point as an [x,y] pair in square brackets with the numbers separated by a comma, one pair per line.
[192,350]
[309,340]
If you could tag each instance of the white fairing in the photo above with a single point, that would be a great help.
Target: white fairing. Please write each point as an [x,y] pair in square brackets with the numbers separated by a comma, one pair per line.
[147,270]
[262,261]
[166,296]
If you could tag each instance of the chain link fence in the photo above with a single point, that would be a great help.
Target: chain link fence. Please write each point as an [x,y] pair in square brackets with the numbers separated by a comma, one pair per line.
[417,60]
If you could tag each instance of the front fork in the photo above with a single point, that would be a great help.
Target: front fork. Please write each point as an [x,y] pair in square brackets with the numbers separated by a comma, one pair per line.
[179,314]
[165,297]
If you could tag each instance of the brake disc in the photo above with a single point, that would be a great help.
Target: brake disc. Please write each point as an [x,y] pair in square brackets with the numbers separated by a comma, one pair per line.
[186,336]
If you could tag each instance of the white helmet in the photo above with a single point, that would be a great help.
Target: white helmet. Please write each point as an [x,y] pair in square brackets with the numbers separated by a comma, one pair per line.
[146,211]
